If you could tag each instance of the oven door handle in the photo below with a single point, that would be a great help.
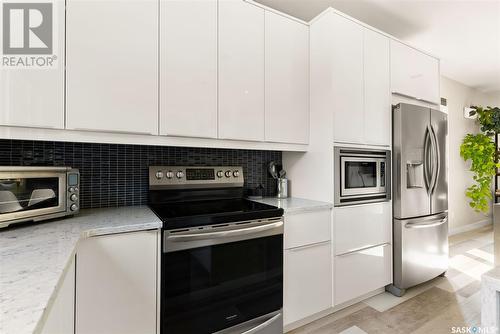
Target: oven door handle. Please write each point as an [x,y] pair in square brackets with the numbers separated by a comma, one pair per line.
[224,234]
[263,325]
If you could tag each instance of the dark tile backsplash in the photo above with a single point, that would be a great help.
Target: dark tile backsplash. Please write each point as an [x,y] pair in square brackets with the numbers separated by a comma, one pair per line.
[117,175]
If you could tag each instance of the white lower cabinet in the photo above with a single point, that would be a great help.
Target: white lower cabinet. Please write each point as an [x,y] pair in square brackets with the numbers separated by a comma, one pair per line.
[307,265]
[307,281]
[116,284]
[61,316]
[362,226]
[361,272]
[307,228]
[363,250]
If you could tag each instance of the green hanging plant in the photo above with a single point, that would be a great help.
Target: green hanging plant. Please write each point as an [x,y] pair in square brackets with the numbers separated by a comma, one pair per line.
[481,150]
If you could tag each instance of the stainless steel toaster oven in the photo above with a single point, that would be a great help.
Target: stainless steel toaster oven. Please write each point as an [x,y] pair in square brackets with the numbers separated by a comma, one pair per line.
[38,193]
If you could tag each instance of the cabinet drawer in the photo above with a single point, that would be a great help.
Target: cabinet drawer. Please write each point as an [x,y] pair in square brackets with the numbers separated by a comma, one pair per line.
[361,226]
[307,281]
[307,228]
[361,272]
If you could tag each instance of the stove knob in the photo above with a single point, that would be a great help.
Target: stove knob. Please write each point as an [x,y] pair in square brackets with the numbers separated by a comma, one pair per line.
[73,207]
[169,174]
[228,173]
[159,175]
[73,197]
[236,173]
[180,174]
[71,189]
[220,174]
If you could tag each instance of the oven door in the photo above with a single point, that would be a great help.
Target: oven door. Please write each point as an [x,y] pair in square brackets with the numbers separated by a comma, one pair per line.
[362,176]
[222,277]
[25,195]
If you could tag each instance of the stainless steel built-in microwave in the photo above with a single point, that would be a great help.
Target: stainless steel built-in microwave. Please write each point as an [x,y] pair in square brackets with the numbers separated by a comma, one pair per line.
[361,175]
[38,193]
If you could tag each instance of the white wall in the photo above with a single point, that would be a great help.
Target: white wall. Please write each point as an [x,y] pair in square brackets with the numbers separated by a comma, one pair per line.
[493,99]
[460,96]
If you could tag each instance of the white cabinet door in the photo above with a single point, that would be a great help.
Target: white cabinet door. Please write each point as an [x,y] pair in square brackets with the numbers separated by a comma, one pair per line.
[61,317]
[241,71]
[359,273]
[428,86]
[307,228]
[402,69]
[188,68]
[116,279]
[347,76]
[361,226]
[112,66]
[414,73]
[287,80]
[35,97]
[307,281]
[377,88]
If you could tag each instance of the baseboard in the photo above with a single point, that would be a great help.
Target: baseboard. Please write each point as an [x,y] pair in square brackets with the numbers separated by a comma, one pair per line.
[331,310]
[470,227]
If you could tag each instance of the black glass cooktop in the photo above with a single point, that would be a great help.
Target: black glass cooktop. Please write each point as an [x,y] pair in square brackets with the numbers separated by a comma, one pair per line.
[207,212]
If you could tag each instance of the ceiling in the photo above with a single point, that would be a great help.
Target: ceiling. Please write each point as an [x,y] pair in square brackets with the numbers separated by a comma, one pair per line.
[465,34]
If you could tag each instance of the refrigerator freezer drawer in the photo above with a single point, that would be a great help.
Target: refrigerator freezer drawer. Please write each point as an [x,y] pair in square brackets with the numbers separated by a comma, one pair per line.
[420,249]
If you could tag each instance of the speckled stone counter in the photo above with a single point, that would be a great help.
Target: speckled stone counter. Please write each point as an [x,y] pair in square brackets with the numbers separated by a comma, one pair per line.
[33,259]
[294,205]
[490,310]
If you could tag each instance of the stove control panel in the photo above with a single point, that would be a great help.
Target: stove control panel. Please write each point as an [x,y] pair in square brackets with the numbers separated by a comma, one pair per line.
[161,177]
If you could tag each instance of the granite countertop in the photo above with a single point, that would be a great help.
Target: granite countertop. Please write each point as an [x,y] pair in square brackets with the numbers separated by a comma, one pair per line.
[34,257]
[294,204]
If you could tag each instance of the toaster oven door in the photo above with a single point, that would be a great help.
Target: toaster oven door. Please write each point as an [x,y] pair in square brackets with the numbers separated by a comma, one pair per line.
[25,195]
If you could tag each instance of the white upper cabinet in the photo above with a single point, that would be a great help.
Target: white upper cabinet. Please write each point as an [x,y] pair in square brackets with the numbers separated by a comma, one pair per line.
[377,88]
[241,71]
[188,68]
[112,66]
[287,79]
[360,81]
[347,76]
[414,74]
[35,97]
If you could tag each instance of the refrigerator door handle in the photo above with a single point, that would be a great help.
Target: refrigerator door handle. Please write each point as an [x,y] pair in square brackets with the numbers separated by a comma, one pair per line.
[431,223]
[436,164]
[427,167]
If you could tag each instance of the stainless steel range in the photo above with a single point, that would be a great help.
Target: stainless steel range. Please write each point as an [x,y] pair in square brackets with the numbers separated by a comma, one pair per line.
[222,259]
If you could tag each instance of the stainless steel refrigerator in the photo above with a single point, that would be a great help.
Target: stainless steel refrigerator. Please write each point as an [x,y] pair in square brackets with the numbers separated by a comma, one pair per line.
[420,196]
